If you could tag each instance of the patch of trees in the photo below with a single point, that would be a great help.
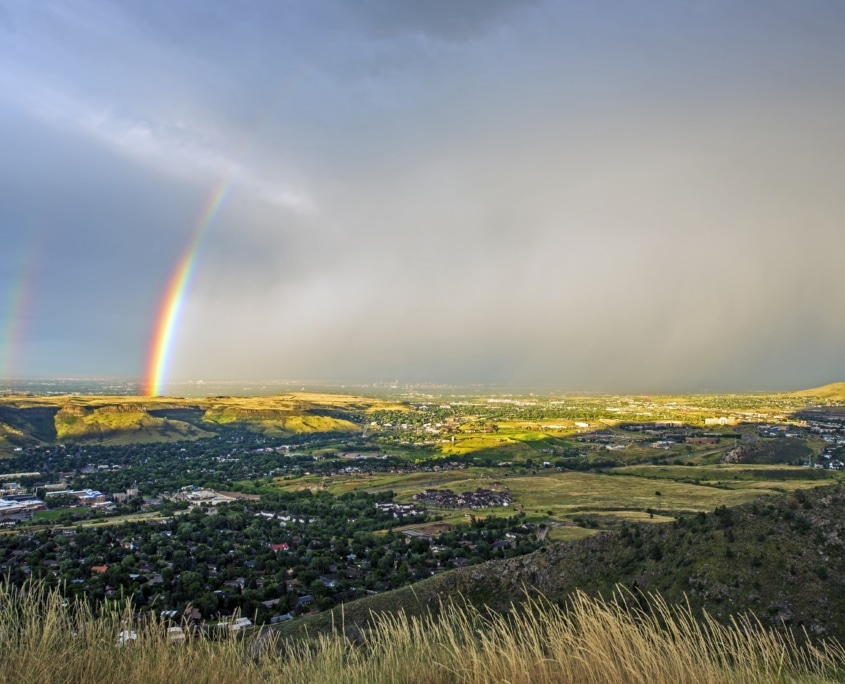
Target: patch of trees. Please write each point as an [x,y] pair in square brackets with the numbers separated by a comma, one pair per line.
[264,558]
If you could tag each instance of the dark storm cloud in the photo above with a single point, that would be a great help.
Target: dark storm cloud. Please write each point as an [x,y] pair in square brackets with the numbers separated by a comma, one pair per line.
[626,196]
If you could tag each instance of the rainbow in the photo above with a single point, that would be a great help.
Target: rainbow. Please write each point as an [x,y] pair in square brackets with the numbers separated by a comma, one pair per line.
[170,309]
[16,303]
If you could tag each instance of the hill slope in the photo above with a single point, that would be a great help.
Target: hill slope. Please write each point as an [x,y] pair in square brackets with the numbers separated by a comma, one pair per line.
[28,420]
[835,391]
[782,558]
[120,423]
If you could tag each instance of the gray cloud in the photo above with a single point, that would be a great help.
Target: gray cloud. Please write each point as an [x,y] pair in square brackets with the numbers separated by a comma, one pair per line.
[438,18]
[636,198]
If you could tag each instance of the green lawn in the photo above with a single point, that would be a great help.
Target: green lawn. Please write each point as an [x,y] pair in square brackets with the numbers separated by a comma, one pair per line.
[569,533]
[49,516]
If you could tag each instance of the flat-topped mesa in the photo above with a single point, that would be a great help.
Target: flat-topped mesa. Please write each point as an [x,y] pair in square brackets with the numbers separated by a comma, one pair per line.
[241,413]
[75,411]
[111,421]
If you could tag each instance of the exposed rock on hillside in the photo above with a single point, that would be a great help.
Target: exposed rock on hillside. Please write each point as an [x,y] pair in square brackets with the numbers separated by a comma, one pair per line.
[780,450]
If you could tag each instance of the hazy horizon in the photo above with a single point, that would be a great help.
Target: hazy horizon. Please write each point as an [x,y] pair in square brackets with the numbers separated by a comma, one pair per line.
[125,386]
[630,198]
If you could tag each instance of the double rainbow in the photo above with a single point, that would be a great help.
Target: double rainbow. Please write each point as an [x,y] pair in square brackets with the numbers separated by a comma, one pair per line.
[170,310]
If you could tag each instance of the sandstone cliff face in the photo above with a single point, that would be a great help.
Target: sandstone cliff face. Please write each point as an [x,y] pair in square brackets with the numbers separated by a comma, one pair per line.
[121,408]
[71,411]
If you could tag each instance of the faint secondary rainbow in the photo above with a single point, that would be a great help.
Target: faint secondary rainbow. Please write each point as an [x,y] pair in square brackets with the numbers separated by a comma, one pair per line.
[14,309]
[172,303]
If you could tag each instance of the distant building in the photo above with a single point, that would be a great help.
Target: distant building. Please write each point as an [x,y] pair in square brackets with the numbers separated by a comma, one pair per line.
[240,623]
[722,420]
[84,496]
[20,507]
[126,637]
[668,423]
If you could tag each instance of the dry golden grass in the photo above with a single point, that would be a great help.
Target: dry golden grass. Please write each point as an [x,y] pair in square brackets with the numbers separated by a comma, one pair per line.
[44,640]
[289,401]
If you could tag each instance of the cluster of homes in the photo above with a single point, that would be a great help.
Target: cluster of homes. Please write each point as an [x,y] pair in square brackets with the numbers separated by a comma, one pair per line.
[190,621]
[400,510]
[285,518]
[668,434]
[777,431]
[831,428]
[480,498]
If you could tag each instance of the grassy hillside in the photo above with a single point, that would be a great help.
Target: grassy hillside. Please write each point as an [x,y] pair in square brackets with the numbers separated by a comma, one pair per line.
[22,426]
[770,451]
[30,420]
[119,424]
[35,422]
[512,441]
[11,438]
[780,558]
[835,391]
[275,421]
[42,639]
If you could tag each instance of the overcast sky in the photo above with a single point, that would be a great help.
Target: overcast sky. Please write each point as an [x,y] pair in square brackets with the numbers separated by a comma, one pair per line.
[622,196]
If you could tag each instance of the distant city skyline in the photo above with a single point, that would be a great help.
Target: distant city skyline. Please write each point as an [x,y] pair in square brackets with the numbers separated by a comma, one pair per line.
[515,193]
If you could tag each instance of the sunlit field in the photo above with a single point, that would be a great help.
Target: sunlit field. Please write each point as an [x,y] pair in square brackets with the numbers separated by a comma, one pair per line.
[623,493]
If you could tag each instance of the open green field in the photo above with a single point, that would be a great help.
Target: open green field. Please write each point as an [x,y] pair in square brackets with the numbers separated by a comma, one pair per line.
[511,441]
[49,516]
[520,440]
[575,492]
[652,493]
[565,533]
[400,483]
[732,474]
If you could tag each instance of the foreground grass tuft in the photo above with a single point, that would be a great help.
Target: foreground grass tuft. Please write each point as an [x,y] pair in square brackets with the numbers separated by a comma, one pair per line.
[43,639]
